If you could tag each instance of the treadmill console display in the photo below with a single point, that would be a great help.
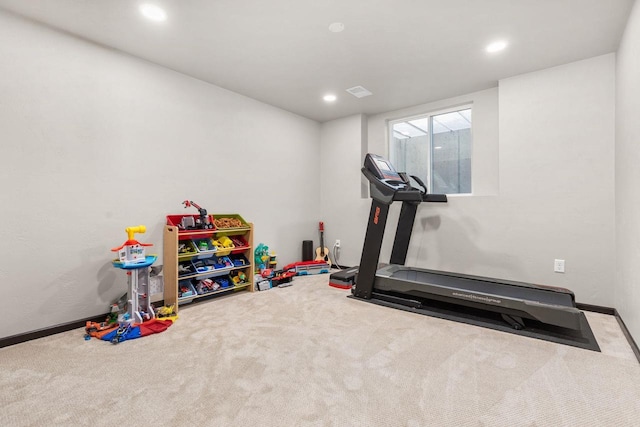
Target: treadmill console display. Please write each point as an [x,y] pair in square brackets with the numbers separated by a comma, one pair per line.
[382,169]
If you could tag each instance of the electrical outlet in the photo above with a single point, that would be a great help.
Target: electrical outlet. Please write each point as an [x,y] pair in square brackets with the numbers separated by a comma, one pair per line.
[558,266]
[337,243]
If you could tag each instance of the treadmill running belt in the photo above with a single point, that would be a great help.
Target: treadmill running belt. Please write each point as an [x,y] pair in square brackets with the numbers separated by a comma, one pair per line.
[481,285]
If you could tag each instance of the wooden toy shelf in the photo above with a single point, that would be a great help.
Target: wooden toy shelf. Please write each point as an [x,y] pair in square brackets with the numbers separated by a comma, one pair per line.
[174,238]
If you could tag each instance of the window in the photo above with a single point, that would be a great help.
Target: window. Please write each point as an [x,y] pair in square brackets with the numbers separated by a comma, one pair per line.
[436,148]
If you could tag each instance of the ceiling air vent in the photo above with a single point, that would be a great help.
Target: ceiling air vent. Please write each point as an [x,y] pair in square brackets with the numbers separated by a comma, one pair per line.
[359,92]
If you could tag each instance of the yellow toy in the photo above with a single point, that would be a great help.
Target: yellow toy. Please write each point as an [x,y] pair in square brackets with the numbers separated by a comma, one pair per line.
[166,311]
[223,242]
[239,278]
[226,242]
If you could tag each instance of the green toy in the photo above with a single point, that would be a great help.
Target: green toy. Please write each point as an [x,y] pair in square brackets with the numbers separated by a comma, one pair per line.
[261,257]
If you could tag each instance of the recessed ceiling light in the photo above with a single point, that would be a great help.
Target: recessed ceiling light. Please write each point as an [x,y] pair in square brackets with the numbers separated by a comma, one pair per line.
[336,27]
[329,98]
[496,46]
[153,12]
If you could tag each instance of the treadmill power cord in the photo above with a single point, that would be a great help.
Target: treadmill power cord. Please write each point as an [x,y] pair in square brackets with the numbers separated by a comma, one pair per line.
[336,253]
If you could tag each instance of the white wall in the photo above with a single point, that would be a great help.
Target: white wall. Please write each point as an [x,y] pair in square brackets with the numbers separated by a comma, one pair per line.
[627,299]
[341,159]
[547,139]
[557,141]
[93,141]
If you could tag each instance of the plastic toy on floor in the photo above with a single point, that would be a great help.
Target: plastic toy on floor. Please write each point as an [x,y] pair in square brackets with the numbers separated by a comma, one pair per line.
[166,312]
[127,331]
[305,268]
[97,330]
[136,316]
[282,278]
[133,259]
[261,255]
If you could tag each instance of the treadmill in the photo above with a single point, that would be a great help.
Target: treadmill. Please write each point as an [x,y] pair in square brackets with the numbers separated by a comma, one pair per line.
[543,312]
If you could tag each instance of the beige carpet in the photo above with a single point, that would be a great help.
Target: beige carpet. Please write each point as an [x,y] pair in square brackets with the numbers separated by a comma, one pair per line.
[306,355]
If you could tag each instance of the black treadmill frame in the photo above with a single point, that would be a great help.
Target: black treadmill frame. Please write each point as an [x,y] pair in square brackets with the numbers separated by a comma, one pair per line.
[382,197]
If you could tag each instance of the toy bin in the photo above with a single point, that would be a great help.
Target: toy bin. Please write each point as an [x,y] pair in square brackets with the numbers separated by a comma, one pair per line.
[239,260]
[186,247]
[204,247]
[225,261]
[220,262]
[186,291]
[229,222]
[224,245]
[206,286]
[181,222]
[238,278]
[203,265]
[224,282]
[186,268]
[240,244]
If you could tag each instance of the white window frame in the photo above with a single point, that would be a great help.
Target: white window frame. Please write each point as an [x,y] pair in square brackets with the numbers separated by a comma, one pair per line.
[428,115]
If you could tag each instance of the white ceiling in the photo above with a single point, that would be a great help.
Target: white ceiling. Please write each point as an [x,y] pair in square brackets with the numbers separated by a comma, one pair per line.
[406,52]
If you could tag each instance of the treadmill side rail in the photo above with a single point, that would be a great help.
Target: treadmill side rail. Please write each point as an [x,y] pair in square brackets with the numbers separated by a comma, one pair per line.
[541,304]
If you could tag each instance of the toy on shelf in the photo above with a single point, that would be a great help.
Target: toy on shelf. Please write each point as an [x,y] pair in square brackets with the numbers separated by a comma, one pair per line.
[186,247]
[239,260]
[186,291]
[203,222]
[132,258]
[238,277]
[223,245]
[238,241]
[185,268]
[226,242]
[224,222]
[224,283]
[206,285]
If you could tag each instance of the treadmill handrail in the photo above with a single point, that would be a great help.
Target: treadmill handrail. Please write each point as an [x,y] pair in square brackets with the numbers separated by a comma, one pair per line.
[388,191]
